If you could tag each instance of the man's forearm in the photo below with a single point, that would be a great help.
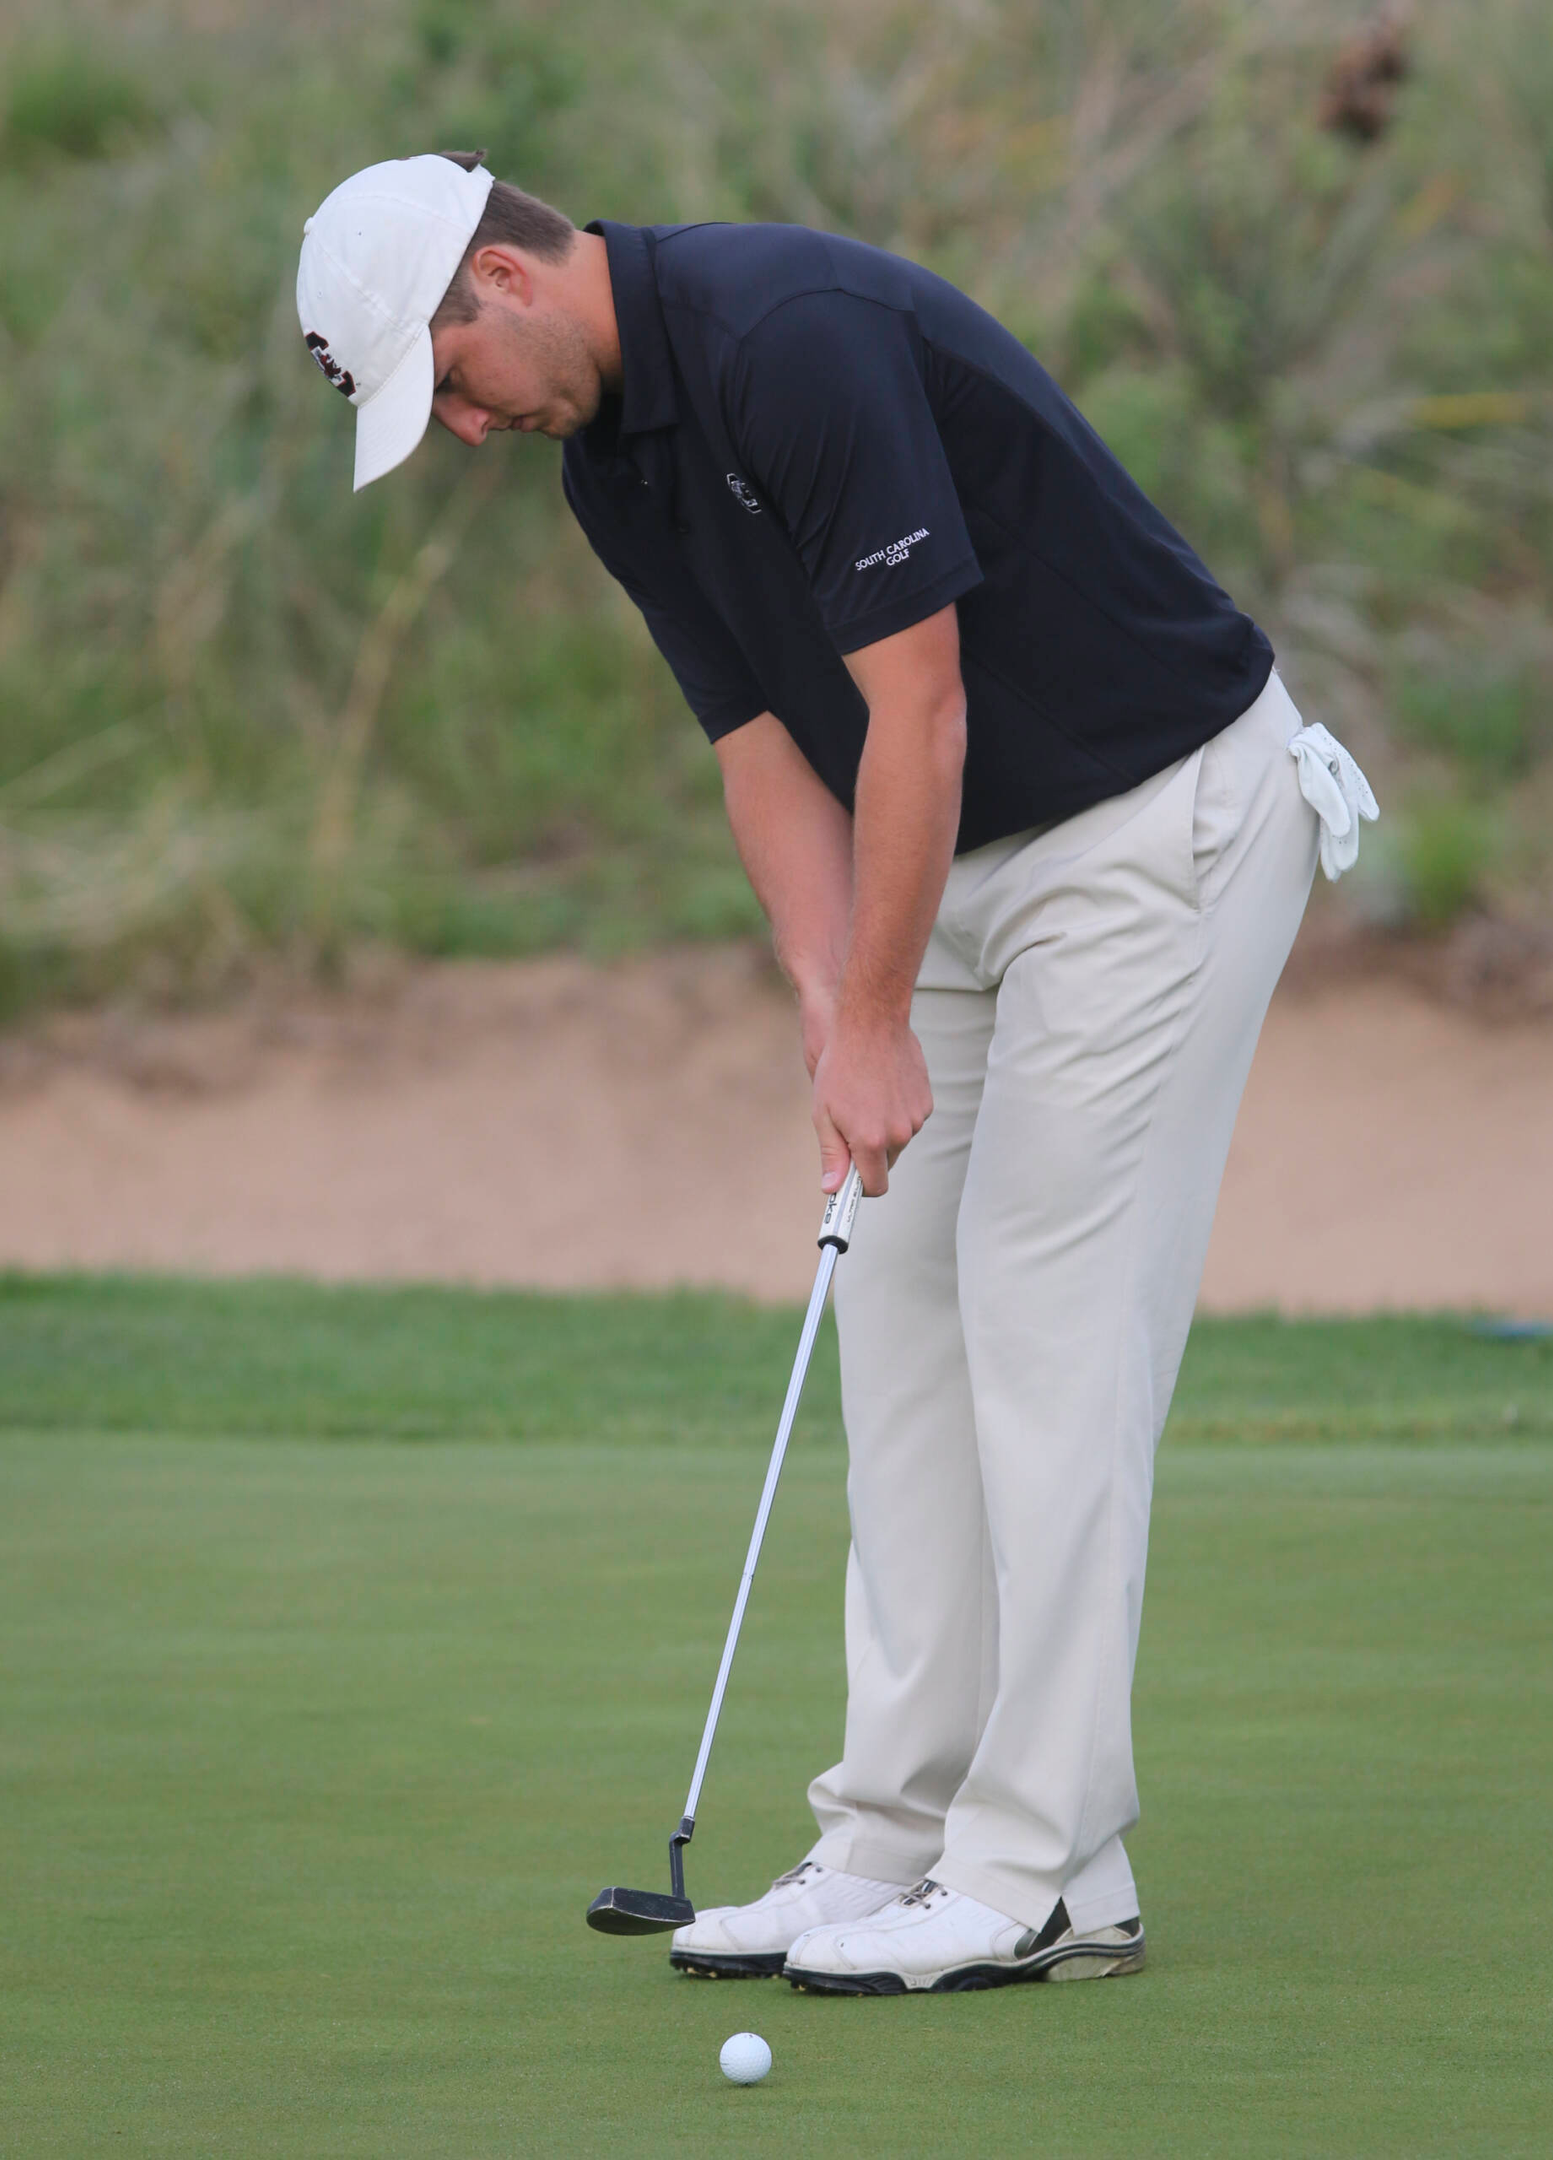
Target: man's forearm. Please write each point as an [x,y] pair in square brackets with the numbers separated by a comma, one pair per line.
[851,897]
[871,1086]
[907,813]
[850,901]
[795,841]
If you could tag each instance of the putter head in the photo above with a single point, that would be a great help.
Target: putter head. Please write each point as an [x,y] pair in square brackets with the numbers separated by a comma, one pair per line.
[638,1912]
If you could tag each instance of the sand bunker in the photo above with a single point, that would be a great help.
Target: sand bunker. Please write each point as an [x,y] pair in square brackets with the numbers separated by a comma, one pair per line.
[558,1124]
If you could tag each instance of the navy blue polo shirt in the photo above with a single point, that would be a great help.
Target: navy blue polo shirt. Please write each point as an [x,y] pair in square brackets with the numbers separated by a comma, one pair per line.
[818,444]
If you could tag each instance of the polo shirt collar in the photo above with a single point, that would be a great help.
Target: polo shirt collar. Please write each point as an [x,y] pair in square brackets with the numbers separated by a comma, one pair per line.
[647,398]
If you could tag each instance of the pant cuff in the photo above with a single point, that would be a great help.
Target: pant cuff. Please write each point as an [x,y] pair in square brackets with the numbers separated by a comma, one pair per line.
[1019,1899]
[1107,1908]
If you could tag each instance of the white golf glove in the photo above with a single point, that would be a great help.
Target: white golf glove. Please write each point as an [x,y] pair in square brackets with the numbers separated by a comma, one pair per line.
[1339,794]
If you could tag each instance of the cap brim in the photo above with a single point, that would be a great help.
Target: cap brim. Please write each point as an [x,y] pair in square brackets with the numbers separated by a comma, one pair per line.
[393,420]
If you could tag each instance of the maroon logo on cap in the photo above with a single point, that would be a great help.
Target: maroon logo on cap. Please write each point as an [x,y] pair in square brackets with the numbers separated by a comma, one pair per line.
[342,378]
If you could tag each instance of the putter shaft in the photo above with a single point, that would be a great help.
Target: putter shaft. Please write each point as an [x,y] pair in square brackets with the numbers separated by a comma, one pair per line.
[835,1235]
[619,1911]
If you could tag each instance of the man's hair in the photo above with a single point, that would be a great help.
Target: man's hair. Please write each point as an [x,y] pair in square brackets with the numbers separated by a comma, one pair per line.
[510,219]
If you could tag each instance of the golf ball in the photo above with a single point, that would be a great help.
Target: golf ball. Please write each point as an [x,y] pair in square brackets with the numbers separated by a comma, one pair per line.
[745,2058]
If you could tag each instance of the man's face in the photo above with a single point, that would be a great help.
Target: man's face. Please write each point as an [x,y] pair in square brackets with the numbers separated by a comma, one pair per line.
[518,365]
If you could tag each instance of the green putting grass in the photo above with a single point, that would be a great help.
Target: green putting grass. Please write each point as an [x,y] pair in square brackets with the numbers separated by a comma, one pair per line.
[352,1640]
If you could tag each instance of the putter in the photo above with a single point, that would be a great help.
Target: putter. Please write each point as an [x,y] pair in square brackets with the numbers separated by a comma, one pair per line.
[645,1912]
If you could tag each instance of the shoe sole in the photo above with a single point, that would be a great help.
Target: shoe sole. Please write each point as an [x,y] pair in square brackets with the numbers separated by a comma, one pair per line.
[714,1965]
[1104,1960]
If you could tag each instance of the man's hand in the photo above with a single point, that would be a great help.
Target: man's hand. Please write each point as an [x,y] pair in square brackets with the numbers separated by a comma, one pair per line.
[871,1095]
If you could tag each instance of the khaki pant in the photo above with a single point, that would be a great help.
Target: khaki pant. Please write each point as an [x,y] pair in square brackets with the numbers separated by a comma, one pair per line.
[1012,1315]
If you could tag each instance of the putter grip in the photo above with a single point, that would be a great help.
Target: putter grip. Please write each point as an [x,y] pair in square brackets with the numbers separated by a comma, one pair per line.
[841,1213]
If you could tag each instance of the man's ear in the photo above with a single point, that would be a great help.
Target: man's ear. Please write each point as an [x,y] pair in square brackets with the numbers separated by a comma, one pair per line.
[501,270]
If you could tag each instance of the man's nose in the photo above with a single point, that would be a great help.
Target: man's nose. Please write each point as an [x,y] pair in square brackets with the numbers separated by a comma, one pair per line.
[471,424]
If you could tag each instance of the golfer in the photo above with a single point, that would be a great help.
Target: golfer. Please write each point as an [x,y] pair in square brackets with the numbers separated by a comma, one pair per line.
[1012,778]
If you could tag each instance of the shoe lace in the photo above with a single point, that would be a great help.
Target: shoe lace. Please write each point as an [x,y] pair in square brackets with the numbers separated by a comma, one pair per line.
[924,1892]
[795,1874]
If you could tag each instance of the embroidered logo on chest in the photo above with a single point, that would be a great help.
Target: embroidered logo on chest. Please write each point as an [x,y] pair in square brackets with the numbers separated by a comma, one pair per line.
[743,494]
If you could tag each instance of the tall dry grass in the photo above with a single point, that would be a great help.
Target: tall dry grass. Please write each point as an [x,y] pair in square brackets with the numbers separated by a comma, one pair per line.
[247,719]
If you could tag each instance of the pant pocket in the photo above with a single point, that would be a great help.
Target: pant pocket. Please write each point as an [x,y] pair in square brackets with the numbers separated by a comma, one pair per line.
[1214,822]
[1239,767]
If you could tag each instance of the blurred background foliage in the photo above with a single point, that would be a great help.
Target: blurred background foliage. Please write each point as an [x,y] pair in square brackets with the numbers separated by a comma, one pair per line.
[248,720]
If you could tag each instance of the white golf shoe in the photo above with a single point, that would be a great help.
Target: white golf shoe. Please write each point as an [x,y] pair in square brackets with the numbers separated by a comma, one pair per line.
[743,1942]
[941,1941]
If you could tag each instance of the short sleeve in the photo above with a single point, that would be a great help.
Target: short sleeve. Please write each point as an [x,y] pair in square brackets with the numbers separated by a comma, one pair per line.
[711,671]
[829,409]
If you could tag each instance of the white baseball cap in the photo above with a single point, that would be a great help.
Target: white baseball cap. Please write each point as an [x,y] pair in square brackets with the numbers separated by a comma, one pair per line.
[377,256]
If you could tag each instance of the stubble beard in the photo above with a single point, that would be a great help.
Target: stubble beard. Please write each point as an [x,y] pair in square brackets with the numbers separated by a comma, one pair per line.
[556,347]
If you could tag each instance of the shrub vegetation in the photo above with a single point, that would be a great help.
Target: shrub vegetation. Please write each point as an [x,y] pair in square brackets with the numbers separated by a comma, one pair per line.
[246,717]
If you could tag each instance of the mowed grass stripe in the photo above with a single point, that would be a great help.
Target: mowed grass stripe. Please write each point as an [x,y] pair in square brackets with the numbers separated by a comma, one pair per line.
[285,1357]
[280,1356]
